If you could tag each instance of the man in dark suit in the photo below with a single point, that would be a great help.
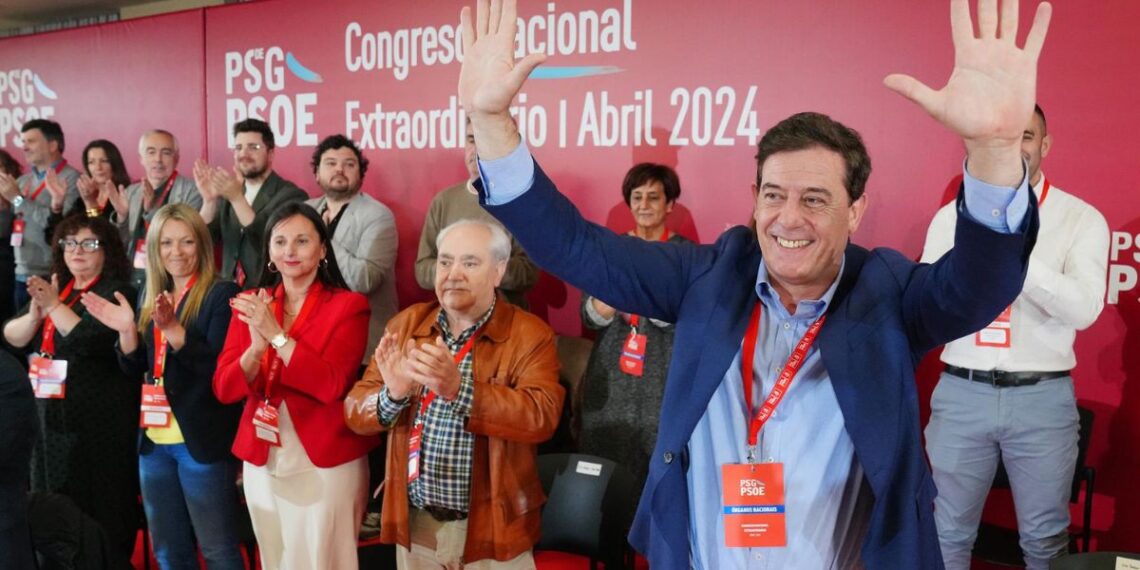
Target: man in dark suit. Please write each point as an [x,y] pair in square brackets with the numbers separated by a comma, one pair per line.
[18,433]
[826,470]
[245,197]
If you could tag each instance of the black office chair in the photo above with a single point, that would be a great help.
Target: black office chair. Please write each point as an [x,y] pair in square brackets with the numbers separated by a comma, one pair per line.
[1091,561]
[999,545]
[587,509]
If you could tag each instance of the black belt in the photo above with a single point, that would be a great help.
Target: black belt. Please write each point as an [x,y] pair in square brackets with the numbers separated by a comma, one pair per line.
[1003,379]
[444,515]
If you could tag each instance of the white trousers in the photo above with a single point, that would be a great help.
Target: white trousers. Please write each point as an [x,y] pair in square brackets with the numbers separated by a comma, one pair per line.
[307,520]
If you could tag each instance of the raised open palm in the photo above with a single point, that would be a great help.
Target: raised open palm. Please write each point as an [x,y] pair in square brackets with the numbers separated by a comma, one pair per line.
[990,95]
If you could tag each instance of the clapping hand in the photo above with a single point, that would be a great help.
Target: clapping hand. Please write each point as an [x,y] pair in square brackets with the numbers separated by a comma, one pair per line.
[163,314]
[227,184]
[116,195]
[57,189]
[43,292]
[253,309]
[147,194]
[89,191]
[391,362]
[432,365]
[203,179]
[117,316]
[9,187]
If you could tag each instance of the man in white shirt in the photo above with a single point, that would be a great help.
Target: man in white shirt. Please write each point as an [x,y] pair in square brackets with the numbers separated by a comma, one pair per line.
[1006,392]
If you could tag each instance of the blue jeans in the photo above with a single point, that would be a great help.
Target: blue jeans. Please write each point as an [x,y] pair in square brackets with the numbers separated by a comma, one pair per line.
[185,499]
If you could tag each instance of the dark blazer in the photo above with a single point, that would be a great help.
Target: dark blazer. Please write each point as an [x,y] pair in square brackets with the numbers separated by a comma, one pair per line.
[245,243]
[207,425]
[324,365]
[887,311]
[19,430]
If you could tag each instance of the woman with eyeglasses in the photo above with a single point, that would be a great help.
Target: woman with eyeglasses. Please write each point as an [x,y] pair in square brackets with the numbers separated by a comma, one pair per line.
[88,409]
[292,352]
[187,474]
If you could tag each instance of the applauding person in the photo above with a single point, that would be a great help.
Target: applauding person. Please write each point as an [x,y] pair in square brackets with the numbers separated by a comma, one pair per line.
[185,468]
[292,352]
[88,410]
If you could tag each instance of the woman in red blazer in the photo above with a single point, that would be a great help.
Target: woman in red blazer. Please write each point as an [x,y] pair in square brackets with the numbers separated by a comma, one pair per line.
[292,353]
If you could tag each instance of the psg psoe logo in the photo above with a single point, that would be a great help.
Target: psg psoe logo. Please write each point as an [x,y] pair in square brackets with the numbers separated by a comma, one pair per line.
[23,96]
[256,87]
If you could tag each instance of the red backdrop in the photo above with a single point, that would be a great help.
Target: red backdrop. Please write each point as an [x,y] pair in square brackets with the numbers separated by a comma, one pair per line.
[691,84]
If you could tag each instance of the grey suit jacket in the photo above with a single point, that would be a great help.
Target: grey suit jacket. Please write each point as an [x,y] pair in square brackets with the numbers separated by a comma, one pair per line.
[245,243]
[365,248]
[184,191]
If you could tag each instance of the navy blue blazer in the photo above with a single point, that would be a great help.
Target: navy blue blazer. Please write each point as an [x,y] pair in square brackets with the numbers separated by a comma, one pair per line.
[207,425]
[886,313]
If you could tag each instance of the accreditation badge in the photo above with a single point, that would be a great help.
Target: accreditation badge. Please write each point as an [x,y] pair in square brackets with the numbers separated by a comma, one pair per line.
[265,424]
[155,410]
[632,359]
[997,334]
[17,238]
[754,505]
[48,376]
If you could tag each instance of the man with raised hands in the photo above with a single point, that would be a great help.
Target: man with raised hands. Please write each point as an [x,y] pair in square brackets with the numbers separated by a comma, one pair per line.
[792,438]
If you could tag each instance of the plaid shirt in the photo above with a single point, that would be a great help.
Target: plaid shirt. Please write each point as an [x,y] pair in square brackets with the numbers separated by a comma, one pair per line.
[447,447]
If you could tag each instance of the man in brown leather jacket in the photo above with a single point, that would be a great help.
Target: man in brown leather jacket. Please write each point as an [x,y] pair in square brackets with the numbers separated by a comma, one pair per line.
[466,388]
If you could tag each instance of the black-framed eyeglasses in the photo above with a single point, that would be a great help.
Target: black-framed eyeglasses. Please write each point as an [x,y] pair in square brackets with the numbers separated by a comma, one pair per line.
[89,244]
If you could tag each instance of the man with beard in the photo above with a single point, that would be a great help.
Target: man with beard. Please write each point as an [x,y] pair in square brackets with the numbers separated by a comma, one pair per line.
[32,200]
[362,230]
[160,185]
[249,194]
[363,235]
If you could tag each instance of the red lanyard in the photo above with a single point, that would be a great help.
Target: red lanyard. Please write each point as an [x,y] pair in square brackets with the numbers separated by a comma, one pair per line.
[47,344]
[160,339]
[166,188]
[1044,193]
[634,320]
[58,169]
[428,398]
[783,382]
[270,363]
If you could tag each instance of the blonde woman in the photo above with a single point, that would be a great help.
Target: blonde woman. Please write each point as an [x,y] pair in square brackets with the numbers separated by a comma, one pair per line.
[185,468]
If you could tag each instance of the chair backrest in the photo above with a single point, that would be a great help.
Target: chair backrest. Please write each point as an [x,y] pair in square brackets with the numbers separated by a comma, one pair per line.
[586,510]
[1091,561]
[1084,436]
[573,356]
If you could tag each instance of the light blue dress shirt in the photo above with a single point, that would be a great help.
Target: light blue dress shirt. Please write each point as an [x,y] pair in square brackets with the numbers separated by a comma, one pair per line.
[827,498]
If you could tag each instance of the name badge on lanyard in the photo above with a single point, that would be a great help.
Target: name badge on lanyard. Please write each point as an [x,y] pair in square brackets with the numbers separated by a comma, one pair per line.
[998,334]
[265,418]
[140,254]
[416,436]
[155,411]
[48,376]
[18,227]
[632,359]
[753,493]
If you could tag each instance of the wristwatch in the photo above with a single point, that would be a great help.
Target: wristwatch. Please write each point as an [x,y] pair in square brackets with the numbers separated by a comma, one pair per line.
[278,342]
[17,201]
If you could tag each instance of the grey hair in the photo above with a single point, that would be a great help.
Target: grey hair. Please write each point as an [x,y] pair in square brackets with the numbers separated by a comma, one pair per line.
[142,139]
[500,242]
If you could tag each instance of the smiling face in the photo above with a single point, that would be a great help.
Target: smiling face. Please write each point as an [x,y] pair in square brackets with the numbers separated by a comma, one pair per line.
[1035,143]
[296,248]
[803,220]
[98,164]
[83,264]
[466,272]
[38,152]
[649,206]
[178,249]
[252,157]
[159,157]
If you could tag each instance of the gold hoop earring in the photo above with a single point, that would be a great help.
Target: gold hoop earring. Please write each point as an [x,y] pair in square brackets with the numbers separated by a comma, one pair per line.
[272,267]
